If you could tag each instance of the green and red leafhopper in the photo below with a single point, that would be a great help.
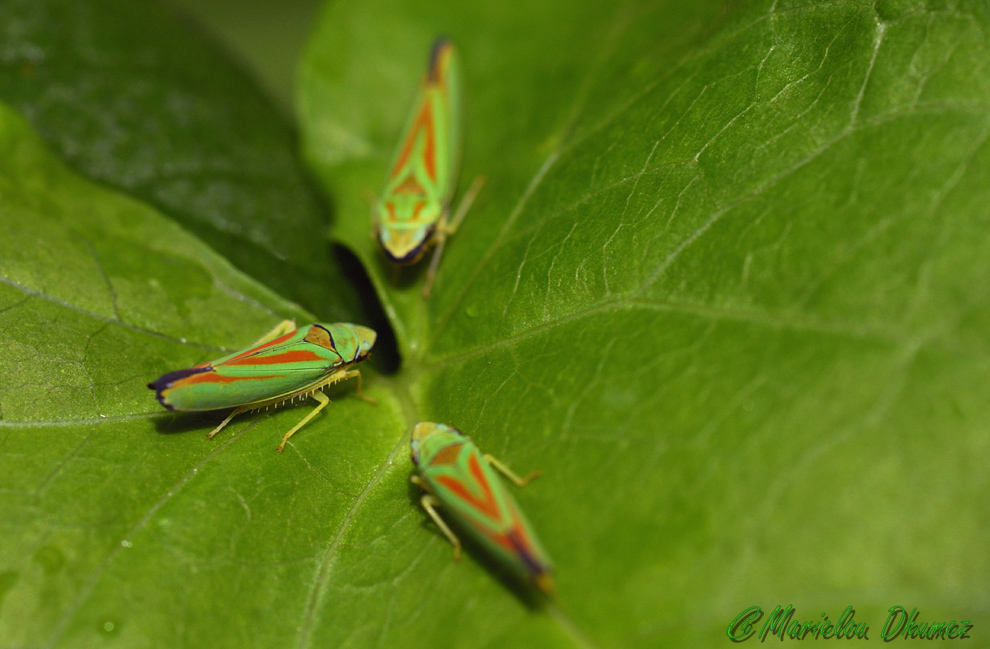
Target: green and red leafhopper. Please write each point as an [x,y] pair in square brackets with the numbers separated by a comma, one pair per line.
[462,481]
[284,364]
[413,212]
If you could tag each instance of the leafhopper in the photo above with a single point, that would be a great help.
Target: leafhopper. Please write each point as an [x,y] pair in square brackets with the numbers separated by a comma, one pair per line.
[285,364]
[461,481]
[413,212]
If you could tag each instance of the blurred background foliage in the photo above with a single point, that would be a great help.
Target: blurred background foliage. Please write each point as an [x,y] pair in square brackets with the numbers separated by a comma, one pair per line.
[266,37]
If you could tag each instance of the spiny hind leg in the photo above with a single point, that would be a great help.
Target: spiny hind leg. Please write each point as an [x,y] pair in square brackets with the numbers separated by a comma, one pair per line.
[323,401]
[509,473]
[233,413]
[281,328]
[429,502]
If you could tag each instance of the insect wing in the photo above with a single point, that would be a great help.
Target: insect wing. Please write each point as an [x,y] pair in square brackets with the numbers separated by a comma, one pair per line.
[473,494]
[428,151]
[423,173]
[442,92]
[296,351]
[266,371]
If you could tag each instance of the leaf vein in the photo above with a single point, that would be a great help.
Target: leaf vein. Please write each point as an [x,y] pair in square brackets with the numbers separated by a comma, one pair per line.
[90,583]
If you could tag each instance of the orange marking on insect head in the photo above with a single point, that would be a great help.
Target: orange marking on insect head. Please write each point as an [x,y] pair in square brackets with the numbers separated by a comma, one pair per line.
[447,455]
[320,336]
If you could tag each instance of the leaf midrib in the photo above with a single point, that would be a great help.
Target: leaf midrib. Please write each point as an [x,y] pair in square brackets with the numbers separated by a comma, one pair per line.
[399,389]
[413,372]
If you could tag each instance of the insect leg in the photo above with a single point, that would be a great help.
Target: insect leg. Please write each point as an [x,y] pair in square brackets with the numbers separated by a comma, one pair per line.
[441,237]
[429,502]
[372,201]
[448,228]
[236,411]
[369,197]
[319,396]
[357,373]
[509,473]
[283,327]
[465,205]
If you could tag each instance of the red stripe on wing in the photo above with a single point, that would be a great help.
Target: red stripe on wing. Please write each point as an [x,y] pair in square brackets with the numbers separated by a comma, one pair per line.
[488,506]
[410,186]
[295,356]
[515,541]
[262,346]
[424,121]
[213,377]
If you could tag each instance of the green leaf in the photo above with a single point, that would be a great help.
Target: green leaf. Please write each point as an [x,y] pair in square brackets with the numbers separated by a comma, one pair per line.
[131,98]
[120,520]
[726,286]
[269,36]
